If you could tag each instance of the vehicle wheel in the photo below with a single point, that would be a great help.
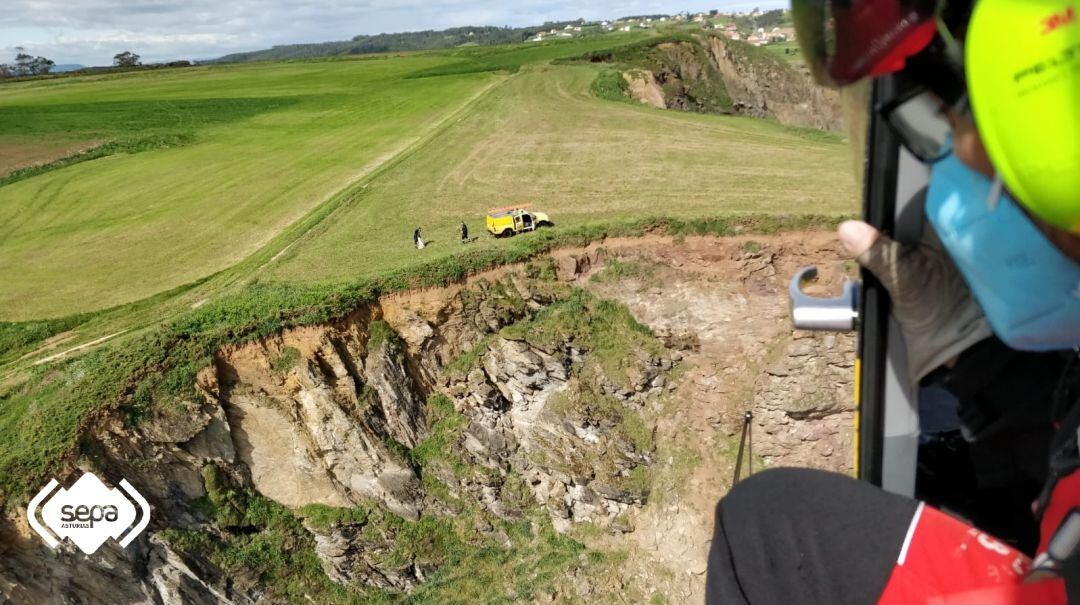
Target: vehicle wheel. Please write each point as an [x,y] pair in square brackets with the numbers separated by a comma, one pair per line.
[506,233]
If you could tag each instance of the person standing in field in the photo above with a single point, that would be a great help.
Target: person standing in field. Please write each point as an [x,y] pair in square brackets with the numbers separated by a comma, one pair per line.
[464,232]
[418,239]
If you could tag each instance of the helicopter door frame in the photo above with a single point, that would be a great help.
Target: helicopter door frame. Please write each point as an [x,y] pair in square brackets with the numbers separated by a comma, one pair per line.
[886,403]
[887,407]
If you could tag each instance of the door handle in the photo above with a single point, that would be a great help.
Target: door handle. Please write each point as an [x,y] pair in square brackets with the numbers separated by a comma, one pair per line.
[839,314]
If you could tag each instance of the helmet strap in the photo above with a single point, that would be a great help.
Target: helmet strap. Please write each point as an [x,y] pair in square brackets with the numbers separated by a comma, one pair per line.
[954,52]
[996,190]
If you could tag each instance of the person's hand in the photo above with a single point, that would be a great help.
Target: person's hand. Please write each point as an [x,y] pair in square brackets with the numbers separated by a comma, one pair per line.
[857,237]
[907,272]
[929,297]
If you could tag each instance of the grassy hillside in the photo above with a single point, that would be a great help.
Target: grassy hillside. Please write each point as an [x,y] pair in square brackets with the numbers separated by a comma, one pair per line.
[247,151]
[205,178]
[207,164]
[249,192]
[405,41]
[541,138]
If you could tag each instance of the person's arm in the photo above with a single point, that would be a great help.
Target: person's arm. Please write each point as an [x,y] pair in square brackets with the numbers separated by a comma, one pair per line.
[945,561]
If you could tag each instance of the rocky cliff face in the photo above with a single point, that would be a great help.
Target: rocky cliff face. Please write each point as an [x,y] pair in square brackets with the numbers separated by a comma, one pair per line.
[763,86]
[808,422]
[357,459]
[680,76]
[715,75]
[314,413]
[531,411]
[337,416]
[148,571]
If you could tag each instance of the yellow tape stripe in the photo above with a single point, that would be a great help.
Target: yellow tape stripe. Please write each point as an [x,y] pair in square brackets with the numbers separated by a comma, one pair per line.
[858,406]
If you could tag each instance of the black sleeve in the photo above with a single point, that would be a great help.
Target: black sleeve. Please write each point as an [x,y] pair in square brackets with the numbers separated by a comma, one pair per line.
[800,536]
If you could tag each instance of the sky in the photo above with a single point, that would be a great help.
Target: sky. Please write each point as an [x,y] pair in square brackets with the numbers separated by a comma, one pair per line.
[90,32]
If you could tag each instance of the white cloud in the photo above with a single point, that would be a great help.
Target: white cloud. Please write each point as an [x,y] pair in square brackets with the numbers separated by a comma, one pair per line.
[92,31]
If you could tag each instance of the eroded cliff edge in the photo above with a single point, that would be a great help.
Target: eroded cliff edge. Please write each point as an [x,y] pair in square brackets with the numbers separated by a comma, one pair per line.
[383,454]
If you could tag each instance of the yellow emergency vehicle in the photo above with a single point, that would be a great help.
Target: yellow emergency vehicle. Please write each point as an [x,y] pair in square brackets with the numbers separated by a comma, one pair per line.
[504,222]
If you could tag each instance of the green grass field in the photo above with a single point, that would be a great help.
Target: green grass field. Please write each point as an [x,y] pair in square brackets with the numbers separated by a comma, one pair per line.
[258,147]
[788,51]
[212,163]
[540,138]
[206,167]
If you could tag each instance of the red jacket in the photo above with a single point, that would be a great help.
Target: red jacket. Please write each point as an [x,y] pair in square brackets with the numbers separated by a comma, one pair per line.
[946,562]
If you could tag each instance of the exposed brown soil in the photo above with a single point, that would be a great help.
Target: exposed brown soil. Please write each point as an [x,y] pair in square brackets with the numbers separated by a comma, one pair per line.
[644,88]
[20,153]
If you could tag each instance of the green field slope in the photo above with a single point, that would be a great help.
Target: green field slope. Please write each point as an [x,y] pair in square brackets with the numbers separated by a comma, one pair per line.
[318,171]
[202,167]
[257,148]
[542,138]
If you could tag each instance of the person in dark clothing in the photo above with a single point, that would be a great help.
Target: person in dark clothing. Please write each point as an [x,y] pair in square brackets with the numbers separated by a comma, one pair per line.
[804,536]
[464,232]
[827,538]
[767,543]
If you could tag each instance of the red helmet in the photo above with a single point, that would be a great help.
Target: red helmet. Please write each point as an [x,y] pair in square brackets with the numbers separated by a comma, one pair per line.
[844,41]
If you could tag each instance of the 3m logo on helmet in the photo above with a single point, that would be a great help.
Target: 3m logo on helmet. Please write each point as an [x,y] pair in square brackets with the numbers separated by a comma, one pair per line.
[1058,20]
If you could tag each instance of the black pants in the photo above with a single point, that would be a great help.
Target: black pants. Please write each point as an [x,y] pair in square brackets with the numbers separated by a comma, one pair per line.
[801,537]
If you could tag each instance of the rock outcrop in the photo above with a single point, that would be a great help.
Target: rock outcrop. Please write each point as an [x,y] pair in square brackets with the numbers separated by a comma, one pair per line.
[554,419]
[717,75]
[330,416]
[348,554]
[354,445]
[808,423]
[678,75]
[644,88]
[338,426]
[762,86]
[148,571]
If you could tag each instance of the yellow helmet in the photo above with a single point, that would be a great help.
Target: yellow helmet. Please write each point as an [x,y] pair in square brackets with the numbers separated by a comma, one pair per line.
[1023,70]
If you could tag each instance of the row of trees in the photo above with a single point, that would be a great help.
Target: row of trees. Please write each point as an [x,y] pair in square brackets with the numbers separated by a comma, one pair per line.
[28,65]
[25,65]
